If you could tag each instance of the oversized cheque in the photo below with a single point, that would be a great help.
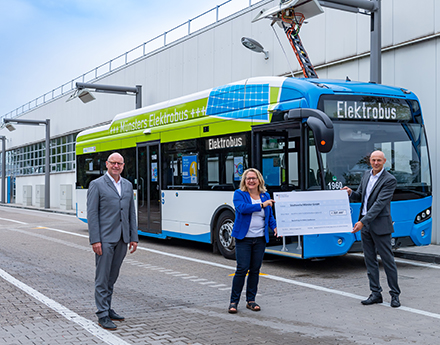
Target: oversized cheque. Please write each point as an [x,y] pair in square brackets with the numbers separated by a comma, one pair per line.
[315,212]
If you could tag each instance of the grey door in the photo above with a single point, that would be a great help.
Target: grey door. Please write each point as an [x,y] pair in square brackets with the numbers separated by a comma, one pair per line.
[148,184]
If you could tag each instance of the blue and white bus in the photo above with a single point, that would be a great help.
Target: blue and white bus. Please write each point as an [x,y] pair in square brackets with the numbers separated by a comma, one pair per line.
[185,157]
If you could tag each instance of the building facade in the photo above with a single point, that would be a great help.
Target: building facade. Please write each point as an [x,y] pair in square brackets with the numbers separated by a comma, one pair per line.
[337,43]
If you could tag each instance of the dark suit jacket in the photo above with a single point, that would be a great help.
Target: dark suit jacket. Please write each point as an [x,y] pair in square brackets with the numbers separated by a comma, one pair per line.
[243,215]
[378,217]
[110,216]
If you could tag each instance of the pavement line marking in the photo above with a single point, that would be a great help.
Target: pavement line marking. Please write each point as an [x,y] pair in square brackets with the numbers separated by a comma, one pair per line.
[70,315]
[276,278]
[14,221]
[207,283]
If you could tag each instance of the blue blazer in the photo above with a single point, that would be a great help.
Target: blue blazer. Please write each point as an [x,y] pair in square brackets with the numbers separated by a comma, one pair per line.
[243,214]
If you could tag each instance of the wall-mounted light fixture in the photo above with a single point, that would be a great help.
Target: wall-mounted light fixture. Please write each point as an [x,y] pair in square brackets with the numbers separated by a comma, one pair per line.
[255,46]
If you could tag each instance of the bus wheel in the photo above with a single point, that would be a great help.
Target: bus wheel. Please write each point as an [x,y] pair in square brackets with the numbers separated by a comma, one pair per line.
[223,234]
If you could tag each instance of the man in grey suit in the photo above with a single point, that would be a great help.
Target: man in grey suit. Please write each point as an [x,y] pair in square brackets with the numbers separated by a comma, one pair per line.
[112,225]
[375,191]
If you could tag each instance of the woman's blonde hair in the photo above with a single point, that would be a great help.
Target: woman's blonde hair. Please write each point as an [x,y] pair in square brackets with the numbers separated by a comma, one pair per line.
[261,185]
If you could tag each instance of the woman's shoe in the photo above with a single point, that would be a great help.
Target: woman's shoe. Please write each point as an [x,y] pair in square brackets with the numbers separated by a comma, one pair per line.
[232,308]
[253,306]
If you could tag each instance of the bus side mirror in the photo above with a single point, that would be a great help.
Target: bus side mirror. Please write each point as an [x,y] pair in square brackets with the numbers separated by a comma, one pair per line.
[320,124]
[323,135]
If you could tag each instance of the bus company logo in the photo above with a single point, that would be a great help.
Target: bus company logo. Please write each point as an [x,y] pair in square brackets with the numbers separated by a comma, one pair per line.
[225,142]
[364,110]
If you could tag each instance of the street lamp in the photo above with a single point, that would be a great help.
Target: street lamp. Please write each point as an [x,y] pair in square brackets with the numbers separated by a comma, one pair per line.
[255,46]
[83,92]
[3,139]
[8,123]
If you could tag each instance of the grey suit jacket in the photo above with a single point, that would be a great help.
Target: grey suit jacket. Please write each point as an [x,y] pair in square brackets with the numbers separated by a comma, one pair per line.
[110,216]
[378,217]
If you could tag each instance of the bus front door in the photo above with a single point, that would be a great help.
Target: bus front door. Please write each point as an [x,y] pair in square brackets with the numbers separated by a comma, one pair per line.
[148,184]
[277,155]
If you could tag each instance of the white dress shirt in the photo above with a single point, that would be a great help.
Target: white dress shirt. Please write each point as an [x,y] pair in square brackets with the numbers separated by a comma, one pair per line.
[116,184]
[370,185]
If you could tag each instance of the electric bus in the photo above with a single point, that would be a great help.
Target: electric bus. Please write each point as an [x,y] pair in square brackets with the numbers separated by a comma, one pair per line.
[185,157]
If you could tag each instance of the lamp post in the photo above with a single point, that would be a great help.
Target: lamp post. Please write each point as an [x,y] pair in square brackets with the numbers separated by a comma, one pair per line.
[3,139]
[10,127]
[374,7]
[82,92]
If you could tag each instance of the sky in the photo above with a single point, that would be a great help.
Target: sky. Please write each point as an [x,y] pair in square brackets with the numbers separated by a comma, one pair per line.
[47,43]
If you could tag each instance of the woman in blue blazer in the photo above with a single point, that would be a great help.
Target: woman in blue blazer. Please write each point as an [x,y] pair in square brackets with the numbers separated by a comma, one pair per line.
[253,217]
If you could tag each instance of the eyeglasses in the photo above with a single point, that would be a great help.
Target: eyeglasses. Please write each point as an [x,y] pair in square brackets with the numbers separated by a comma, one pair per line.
[251,178]
[114,163]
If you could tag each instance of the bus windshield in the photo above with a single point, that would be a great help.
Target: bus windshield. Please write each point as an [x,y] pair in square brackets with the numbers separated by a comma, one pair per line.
[405,149]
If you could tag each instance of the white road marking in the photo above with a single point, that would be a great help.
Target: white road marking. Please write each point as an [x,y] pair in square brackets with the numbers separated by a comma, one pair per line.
[88,325]
[13,221]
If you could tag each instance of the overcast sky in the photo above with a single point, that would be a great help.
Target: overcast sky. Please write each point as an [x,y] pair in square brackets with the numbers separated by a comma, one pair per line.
[46,43]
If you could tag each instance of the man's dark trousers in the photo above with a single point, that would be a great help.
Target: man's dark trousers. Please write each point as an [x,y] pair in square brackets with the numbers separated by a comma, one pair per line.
[373,244]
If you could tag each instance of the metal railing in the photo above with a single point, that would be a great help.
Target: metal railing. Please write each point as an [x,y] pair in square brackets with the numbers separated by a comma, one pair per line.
[183,30]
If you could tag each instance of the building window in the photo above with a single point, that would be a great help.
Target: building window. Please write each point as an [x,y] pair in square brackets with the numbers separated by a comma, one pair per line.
[31,159]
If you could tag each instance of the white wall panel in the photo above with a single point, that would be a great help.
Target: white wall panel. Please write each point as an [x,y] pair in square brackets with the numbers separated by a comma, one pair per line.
[175,68]
[205,52]
[363,30]
[163,72]
[388,68]
[387,23]
[364,69]
[340,35]
[239,53]
[223,40]
[190,65]
[150,82]
[56,180]
[349,69]
[313,36]
[412,19]
[434,141]
[436,16]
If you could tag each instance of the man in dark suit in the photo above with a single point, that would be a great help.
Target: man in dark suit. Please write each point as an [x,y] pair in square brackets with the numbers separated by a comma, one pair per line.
[375,191]
[112,225]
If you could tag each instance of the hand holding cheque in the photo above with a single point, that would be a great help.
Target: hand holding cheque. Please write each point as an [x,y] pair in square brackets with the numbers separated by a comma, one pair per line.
[358,226]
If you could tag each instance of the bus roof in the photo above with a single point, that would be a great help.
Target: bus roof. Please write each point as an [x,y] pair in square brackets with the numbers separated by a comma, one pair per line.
[247,100]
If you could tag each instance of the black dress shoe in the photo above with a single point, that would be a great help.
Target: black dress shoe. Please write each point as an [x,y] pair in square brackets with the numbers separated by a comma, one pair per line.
[106,323]
[395,303]
[114,316]
[372,300]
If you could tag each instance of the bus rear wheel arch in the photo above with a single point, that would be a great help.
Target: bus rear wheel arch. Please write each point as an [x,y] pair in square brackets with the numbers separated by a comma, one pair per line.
[223,234]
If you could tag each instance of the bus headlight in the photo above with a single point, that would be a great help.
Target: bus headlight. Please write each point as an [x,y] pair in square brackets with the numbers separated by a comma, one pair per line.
[422,216]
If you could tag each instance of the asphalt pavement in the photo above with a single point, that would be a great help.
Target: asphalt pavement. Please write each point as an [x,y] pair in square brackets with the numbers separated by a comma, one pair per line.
[170,297]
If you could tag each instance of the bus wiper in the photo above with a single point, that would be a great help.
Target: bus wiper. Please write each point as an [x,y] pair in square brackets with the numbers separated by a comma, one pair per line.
[413,191]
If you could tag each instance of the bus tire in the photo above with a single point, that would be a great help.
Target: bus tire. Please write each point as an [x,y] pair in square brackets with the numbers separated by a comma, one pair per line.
[223,235]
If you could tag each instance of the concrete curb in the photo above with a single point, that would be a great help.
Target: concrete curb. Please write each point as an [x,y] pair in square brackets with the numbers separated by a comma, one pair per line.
[49,210]
[424,257]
